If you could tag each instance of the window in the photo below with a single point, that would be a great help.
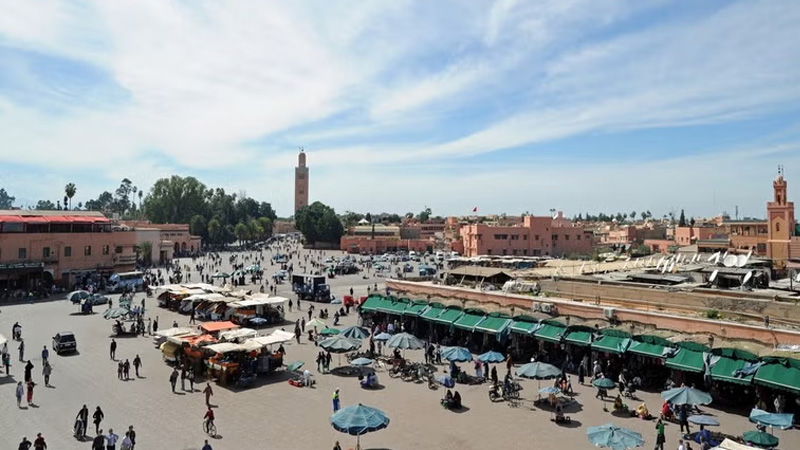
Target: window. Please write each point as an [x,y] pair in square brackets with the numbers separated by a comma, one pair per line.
[67,251]
[105,250]
[46,252]
[762,248]
[555,237]
[566,237]
[578,237]
[525,251]
[22,253]
[505,252]
[489,251]
[524,237]
[501,237]
[87,251]
[514,237]
[514,252]
[536,237]
[118,249]
[777,226]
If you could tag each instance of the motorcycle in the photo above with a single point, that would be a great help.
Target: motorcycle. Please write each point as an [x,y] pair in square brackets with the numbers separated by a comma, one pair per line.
[498,391]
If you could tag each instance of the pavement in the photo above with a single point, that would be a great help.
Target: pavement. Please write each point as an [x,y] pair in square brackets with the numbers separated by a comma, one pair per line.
[274,414]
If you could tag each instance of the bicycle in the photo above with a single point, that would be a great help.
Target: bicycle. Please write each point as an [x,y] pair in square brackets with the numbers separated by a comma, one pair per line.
[210,428]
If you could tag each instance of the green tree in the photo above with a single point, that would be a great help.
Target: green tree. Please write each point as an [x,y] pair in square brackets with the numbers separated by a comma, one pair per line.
[424,215]
[682,220]
[45,205]
[214,231]
[351,218]
[144,252]
[198,226]
[242,232]
[319,223]
[409,215]
[176,200]
[103,203]
[633,216]
[266,227]
[393,218]
[644,215]
[255,231]
[70,190]
[6,200]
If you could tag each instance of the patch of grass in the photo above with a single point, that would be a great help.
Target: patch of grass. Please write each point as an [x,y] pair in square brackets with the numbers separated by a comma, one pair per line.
[713,314]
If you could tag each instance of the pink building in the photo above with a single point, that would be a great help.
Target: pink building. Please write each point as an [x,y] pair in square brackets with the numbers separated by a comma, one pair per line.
[39,248]
[536,236]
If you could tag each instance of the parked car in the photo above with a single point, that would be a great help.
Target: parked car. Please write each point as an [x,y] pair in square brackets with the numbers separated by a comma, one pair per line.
[97,299]
[64,342]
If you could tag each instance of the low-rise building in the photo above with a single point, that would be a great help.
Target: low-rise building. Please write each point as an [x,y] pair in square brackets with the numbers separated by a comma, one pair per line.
[41,248]
[174,240]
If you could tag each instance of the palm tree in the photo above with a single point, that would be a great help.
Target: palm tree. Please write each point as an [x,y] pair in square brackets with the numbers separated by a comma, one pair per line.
[141,194]
[70,190]
[145,251]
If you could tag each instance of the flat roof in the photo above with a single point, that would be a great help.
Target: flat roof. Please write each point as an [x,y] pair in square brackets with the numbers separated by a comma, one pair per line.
[477,271]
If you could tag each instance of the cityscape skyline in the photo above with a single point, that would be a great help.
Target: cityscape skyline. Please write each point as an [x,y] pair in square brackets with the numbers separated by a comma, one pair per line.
[601,106]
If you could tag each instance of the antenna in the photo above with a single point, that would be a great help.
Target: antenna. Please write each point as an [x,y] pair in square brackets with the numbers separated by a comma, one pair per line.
[741,260]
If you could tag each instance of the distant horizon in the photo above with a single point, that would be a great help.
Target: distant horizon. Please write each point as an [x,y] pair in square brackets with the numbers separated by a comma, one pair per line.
[508,106]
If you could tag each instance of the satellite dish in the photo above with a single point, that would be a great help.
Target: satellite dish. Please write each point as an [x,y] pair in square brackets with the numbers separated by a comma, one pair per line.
[749,254]
[797,278]
[713,276]
[664,269]
[725,255]
[712,257]
[741,260]
[729,261]
[658,264]
[672,266]
[747,277]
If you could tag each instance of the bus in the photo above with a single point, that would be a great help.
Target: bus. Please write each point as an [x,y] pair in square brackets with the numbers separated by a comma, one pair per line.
[126,281]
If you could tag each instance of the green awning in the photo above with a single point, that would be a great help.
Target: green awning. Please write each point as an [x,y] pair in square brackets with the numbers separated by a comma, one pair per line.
[449,316]
[611,344]
[467,321]
[432,312]
[686,360]
[724,368]
[778,376]
[523,327]
[493,324]
[581,338]
[646,349]
[371,304]
[549,333]
[390,307]
[414,309]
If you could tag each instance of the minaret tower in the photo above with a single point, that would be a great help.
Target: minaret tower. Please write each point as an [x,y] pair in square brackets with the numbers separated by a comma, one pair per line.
[300,182]
[780,214]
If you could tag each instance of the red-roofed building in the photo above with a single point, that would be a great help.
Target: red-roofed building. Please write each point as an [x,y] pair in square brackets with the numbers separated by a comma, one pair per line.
[39,248]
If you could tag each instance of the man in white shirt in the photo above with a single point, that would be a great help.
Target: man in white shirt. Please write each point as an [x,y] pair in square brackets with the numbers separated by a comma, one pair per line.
[680,445]
[111,440]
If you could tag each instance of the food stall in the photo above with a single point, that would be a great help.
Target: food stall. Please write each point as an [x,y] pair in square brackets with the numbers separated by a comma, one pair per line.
[191,302]
[160,336]
[238,335]
[258,309]
[214,328]
[187,348]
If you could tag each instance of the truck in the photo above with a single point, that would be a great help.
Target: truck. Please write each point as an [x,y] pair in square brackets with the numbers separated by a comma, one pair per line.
[311,287]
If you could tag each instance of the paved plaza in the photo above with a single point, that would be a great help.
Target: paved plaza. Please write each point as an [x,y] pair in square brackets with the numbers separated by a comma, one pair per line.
[274,414]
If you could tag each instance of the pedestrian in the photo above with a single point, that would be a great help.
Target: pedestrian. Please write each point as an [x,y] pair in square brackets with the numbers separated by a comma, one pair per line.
[39,443]
[581,373]
[126,442]
[137,363]
[494,375]
[206,446]
[320,359]
[20,392]
[149,327]
[660,438]
[208,393]
[25,444]
[28,371]
[47,369]
[173,378]
[336,400]
[120,370]
[183,378]
[190,375]
[99,441]
[113,349]
[7,362]
[680,445]
[155,324]
[327,361]
[290,305]
[126,370]
[310,312]
[683,418]
[45,353]
[97,417]
[478,369]
[131,434]
[21,349]
[191,317]
[111,440]
[31,385]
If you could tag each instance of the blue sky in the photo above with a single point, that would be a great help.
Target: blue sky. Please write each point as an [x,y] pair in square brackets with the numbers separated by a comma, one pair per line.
[510,106]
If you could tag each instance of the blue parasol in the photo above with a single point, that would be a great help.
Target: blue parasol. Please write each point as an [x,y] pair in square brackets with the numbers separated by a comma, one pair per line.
[686,396]
[355,332]
[491,357]
[382,337]
[359,419]
[614,437]
[456,354]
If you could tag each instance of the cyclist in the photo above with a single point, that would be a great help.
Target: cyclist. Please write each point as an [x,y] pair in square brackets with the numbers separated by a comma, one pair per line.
[209,419]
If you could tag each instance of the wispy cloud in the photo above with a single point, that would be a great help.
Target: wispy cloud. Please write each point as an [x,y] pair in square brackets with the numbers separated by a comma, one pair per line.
[228,89]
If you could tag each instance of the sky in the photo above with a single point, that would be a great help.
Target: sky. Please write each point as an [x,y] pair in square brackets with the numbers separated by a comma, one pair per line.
[508,106]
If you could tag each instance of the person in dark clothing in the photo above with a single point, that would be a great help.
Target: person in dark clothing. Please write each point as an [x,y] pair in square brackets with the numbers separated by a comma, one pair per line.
[98,417]
[683,418]
[28,370]
[99,441]
[494,375]
[113,349]
[137,363]
[126,369]
[25,444]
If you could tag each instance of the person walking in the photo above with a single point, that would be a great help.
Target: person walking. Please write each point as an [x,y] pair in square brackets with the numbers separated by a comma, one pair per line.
[149,326]
[25,444]
[336,400]
[208,392]
[155,324]
[45,353]
[39,443]
[113,349]
[173,378]
[660,438]
[99,441]
[126,370]
[137,363]
[111,440]
[47,369]
[21,349]
[31,385]
[683,418]
[28,371]
[120,369]
[97,417]
[290,305]
[191,317]
[20,392]
[7,362]
[190,377]
[206,446]
[132,435]
[183,378]
[327,362]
